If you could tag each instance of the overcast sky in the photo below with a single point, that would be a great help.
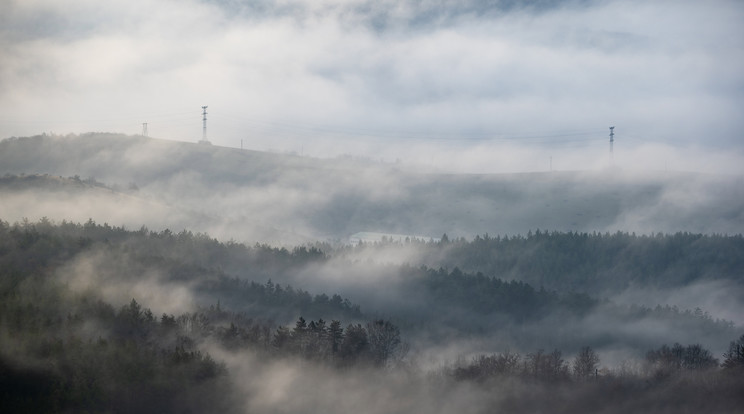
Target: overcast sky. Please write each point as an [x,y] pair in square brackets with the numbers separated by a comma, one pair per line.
[482,87]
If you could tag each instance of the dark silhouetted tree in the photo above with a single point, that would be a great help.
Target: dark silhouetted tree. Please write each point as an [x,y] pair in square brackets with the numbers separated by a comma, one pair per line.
[384,340]
[549,367]
[734,357]
[585,363]
[335,335]
[696,357]
[282,339]
[666,361]
[355,345]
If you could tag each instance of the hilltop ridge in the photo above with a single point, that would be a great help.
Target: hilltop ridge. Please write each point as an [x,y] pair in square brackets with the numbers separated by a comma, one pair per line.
[282,198]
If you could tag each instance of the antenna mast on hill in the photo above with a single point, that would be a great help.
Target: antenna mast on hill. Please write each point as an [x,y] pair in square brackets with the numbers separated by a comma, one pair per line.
[612,141]
[204,128]
[144,129]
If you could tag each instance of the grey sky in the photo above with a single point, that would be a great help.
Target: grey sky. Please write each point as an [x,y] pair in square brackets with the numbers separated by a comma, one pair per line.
[481,87]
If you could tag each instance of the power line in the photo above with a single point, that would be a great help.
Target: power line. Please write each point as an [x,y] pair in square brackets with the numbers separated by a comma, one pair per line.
[299,129]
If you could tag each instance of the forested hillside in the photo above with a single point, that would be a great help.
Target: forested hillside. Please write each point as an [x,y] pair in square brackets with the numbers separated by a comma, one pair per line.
[101,318]
[597,263]
[372,207]
[180,270]
[281,313]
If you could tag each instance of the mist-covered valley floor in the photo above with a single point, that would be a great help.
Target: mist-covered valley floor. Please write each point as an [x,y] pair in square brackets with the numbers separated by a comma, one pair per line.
[141,275]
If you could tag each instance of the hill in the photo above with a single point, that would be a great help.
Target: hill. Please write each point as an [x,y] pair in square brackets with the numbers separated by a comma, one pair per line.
[98,318]
[279,198]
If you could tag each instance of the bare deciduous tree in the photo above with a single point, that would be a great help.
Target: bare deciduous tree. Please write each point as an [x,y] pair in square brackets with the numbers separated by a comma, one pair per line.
[585,363]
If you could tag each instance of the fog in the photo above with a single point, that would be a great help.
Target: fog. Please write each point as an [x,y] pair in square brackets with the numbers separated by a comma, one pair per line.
[288,200]
[179,274]
[292,386]
[328,119]
[254,197]
[374,278]
[117,278]
[721,298]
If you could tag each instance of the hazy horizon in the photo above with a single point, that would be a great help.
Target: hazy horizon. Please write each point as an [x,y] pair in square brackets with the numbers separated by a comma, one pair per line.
[474,86]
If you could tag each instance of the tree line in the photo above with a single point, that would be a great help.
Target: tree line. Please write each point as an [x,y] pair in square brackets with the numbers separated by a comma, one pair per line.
[204,263]
[588,262]
[658,364]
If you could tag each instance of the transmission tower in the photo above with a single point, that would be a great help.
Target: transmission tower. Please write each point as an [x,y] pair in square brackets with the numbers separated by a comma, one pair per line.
[144,129]
[612,142]
[204,128]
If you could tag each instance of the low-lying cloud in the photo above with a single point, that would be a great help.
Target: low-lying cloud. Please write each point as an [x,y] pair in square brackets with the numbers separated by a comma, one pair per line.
[287,199]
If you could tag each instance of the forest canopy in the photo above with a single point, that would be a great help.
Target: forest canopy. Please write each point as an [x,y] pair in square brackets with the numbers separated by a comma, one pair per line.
[75,336]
